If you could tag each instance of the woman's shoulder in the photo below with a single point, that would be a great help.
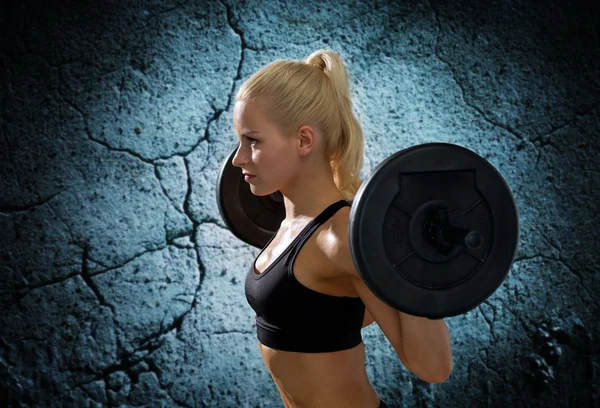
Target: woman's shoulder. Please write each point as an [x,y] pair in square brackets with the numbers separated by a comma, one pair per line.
[333,240]
[335,228]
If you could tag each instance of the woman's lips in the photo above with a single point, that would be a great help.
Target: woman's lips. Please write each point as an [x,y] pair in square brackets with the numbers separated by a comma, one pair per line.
[248,177]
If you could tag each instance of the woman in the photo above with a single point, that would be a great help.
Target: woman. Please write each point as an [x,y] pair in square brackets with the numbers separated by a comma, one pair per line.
[298,135]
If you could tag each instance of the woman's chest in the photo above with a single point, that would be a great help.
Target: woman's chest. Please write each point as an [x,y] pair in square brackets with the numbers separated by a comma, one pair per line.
[310,268]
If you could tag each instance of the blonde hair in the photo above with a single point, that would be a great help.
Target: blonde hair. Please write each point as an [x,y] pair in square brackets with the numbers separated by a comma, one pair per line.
[314,91]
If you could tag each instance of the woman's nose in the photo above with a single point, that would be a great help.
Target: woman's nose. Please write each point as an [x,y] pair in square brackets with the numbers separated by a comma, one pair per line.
[238,160]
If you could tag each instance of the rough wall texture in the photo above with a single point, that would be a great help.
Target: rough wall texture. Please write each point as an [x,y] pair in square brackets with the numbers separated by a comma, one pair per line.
[121,285]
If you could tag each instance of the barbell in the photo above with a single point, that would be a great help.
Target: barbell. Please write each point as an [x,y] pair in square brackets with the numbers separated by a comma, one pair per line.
[433,231]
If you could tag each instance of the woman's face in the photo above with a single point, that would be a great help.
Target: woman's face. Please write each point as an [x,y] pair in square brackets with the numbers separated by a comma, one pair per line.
[263,151]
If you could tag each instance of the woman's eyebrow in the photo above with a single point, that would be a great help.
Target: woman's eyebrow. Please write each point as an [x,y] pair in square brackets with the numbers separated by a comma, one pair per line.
[249,132]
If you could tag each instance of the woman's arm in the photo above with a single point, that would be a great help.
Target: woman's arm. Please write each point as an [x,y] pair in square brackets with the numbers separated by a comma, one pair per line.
[426,345]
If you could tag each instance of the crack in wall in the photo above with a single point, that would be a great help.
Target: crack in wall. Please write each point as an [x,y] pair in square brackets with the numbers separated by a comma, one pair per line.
[196,226]
[127,360]
[86,277]
[468,382]
[545,139]
[178,322]
[489,322]
[489,368]
[177,6]
[111,148]
[27,289]
[15,209]
[524,324]
[563,261]
[89,395]
[88,132]
[154,368]
[75,338]
[22,292]
[508,128]
[526,258]
[251,332]
[244,45]
[539,141]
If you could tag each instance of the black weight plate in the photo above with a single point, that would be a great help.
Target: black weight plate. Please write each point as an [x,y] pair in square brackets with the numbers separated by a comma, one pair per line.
[386,230]
[253,219]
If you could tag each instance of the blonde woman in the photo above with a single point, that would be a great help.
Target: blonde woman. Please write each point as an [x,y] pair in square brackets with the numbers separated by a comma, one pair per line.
[298,135]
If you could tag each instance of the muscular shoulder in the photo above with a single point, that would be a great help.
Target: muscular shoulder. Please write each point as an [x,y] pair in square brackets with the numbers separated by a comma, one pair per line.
[333,243]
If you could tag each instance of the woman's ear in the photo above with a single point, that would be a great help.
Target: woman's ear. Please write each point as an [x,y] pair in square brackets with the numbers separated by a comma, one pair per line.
[306,140]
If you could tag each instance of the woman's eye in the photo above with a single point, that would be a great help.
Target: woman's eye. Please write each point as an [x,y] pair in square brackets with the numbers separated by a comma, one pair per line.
[251,140]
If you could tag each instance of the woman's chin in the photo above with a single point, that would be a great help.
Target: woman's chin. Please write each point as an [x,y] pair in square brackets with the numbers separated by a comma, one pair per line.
[256,191]
[260,191]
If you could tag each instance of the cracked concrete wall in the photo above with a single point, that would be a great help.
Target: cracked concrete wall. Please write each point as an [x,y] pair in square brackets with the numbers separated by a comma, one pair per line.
[121,285]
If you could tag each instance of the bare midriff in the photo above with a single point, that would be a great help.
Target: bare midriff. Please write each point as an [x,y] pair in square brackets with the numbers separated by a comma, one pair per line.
[314,380]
